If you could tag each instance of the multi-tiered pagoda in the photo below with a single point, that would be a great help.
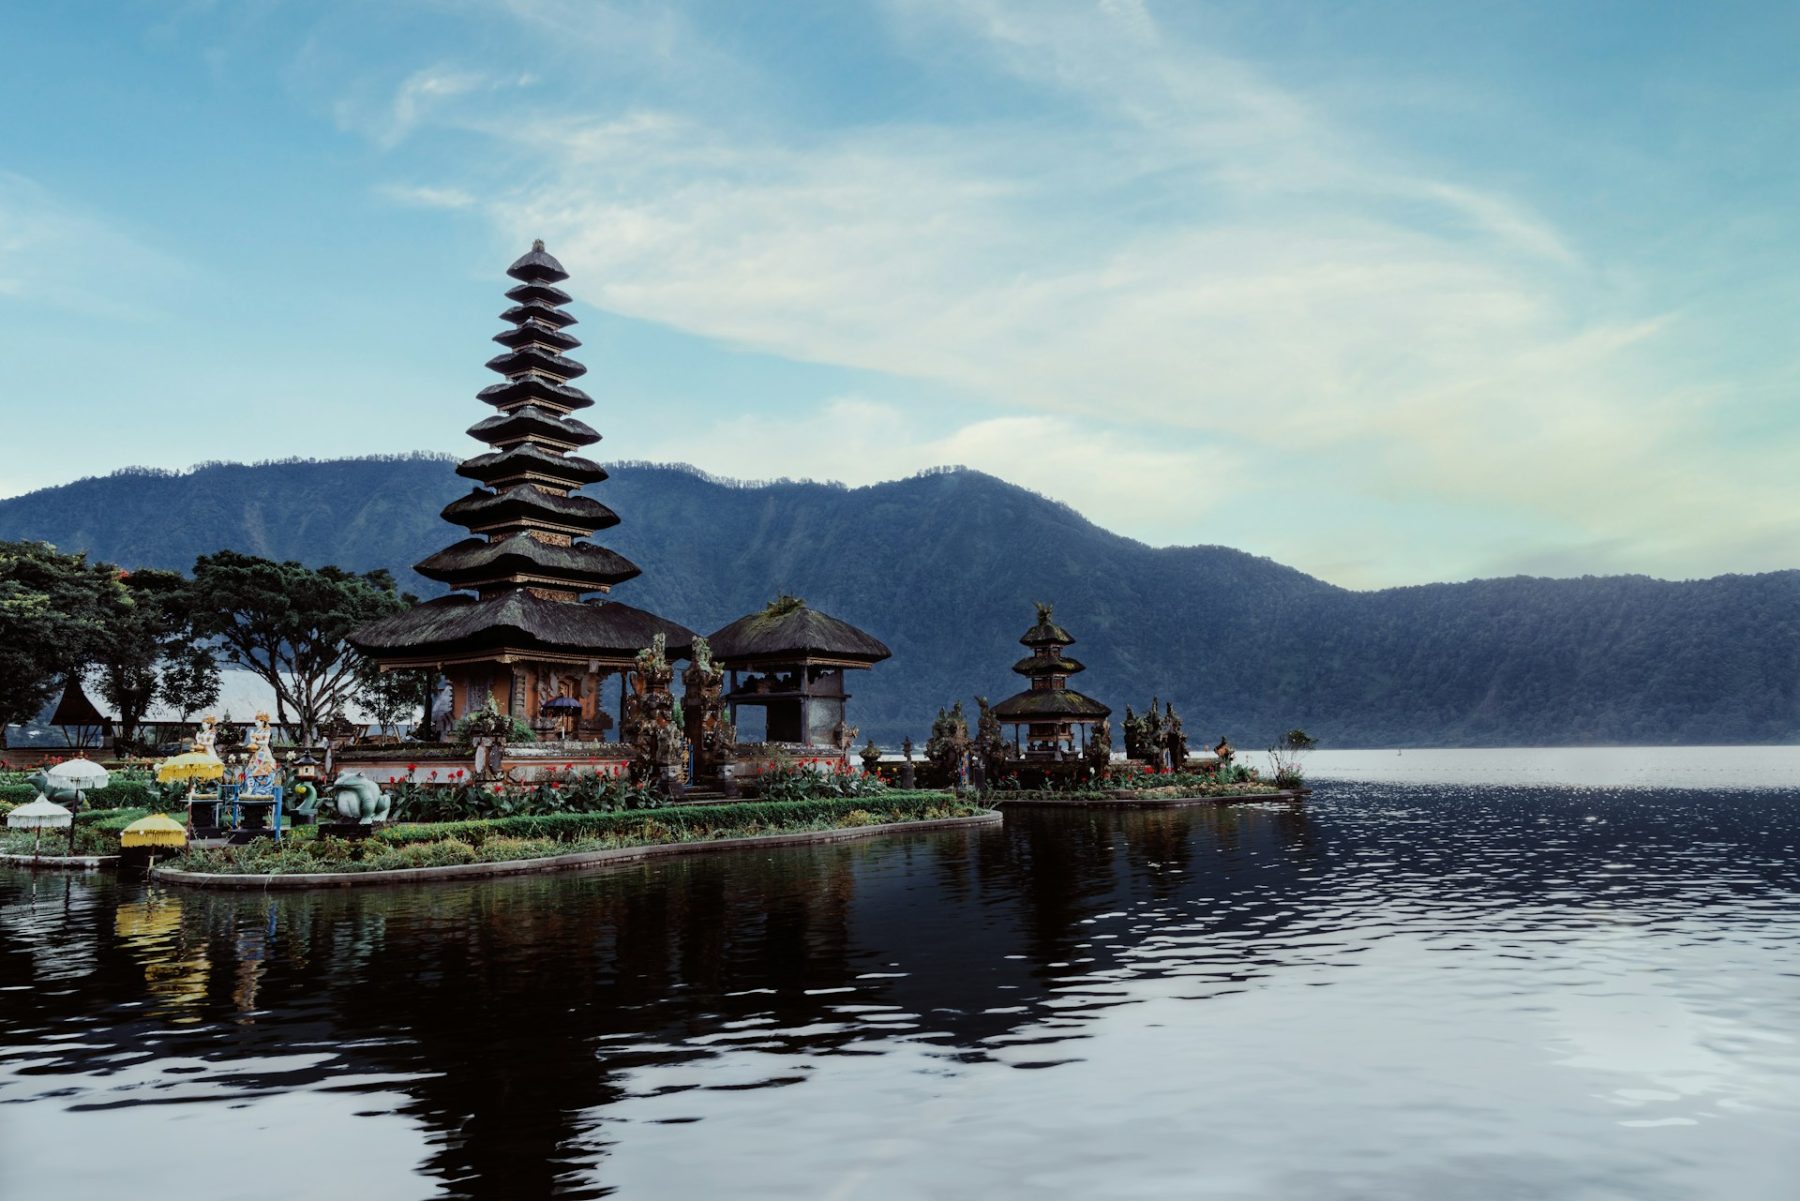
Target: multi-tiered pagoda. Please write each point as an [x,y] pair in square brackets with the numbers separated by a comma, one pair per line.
[1057,720]
[525,623]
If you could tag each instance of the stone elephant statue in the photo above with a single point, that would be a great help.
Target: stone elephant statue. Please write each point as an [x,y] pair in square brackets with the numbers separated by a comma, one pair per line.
[360,799]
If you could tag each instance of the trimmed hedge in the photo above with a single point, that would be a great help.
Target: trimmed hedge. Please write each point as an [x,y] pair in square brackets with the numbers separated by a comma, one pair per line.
[679,823]
[113,819]
[120,794]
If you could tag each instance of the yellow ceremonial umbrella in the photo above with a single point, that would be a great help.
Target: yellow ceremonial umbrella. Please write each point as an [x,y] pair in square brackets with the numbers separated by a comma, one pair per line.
[157,830]
[194,765]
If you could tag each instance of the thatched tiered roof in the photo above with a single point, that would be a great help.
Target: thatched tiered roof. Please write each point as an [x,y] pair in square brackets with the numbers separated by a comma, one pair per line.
[787,632]
[530,563]
[1049,699]
[520,621]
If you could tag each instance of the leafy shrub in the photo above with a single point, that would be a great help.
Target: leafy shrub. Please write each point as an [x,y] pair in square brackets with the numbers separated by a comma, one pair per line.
[565,791]
[113,820]
[787,782]
[118,794]
[88,841]
[487,721]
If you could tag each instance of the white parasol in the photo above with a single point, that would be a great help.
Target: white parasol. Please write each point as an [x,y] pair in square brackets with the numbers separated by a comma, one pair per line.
[39,815]
[83,775]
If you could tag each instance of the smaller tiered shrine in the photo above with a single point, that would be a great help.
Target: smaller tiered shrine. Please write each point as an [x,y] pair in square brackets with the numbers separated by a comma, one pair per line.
[1051,722]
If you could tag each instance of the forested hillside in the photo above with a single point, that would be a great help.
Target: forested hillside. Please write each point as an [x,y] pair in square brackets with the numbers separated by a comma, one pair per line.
[944,567]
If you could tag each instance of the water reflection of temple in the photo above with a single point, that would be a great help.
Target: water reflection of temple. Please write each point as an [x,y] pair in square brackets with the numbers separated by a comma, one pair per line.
[521,1017]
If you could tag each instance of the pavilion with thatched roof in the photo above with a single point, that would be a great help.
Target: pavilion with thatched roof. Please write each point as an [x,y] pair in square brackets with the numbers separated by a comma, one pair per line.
[789,660]
[80,720]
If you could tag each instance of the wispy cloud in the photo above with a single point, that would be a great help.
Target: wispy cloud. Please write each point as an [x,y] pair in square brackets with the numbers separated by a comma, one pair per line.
[423,95]
[1186,248]
[426,196]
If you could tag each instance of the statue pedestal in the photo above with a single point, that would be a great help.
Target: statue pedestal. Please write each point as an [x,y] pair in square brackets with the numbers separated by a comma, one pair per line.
[348,830]
[490,752]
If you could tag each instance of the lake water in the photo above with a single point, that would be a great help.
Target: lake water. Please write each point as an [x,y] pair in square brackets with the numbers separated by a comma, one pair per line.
[1445,989]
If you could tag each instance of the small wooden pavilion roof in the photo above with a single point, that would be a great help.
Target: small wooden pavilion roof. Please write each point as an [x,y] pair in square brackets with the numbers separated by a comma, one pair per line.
[787,631]
[75,709]
[1050,704]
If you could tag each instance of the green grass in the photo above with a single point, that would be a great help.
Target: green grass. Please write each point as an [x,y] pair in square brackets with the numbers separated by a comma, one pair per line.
[497,840]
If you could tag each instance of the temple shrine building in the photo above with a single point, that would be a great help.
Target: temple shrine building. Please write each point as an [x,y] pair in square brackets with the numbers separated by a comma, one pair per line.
[529,621]
[1057,722]
[789,660]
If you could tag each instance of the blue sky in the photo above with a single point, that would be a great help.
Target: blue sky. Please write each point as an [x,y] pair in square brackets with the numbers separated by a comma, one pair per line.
[1392,292]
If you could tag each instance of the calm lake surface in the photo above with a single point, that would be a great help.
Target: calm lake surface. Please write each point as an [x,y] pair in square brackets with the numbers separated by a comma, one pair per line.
[1463,984]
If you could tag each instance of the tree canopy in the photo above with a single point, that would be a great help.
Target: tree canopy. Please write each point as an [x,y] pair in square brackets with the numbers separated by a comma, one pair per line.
[150,650]
[55,614]
[289,623]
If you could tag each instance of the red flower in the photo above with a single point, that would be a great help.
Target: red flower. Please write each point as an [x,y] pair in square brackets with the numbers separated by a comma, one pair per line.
[412,767]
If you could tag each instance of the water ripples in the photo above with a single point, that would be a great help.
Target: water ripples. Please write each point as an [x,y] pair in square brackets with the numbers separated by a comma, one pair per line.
[1420,991]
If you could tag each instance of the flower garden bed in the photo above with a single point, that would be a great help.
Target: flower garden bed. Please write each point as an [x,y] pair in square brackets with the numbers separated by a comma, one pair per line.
[415,852]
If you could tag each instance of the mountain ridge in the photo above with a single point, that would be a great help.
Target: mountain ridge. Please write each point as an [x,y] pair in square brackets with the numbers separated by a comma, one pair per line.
[944,565]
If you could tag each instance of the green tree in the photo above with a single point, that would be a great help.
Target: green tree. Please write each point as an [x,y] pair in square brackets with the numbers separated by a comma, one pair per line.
[1287,754]
[190,680]
[393,697]
[54,614]
[288,623]
[151,650]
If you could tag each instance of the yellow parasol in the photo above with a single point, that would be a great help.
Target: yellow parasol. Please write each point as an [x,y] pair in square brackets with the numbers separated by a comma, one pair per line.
[157,830]
[195,765]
